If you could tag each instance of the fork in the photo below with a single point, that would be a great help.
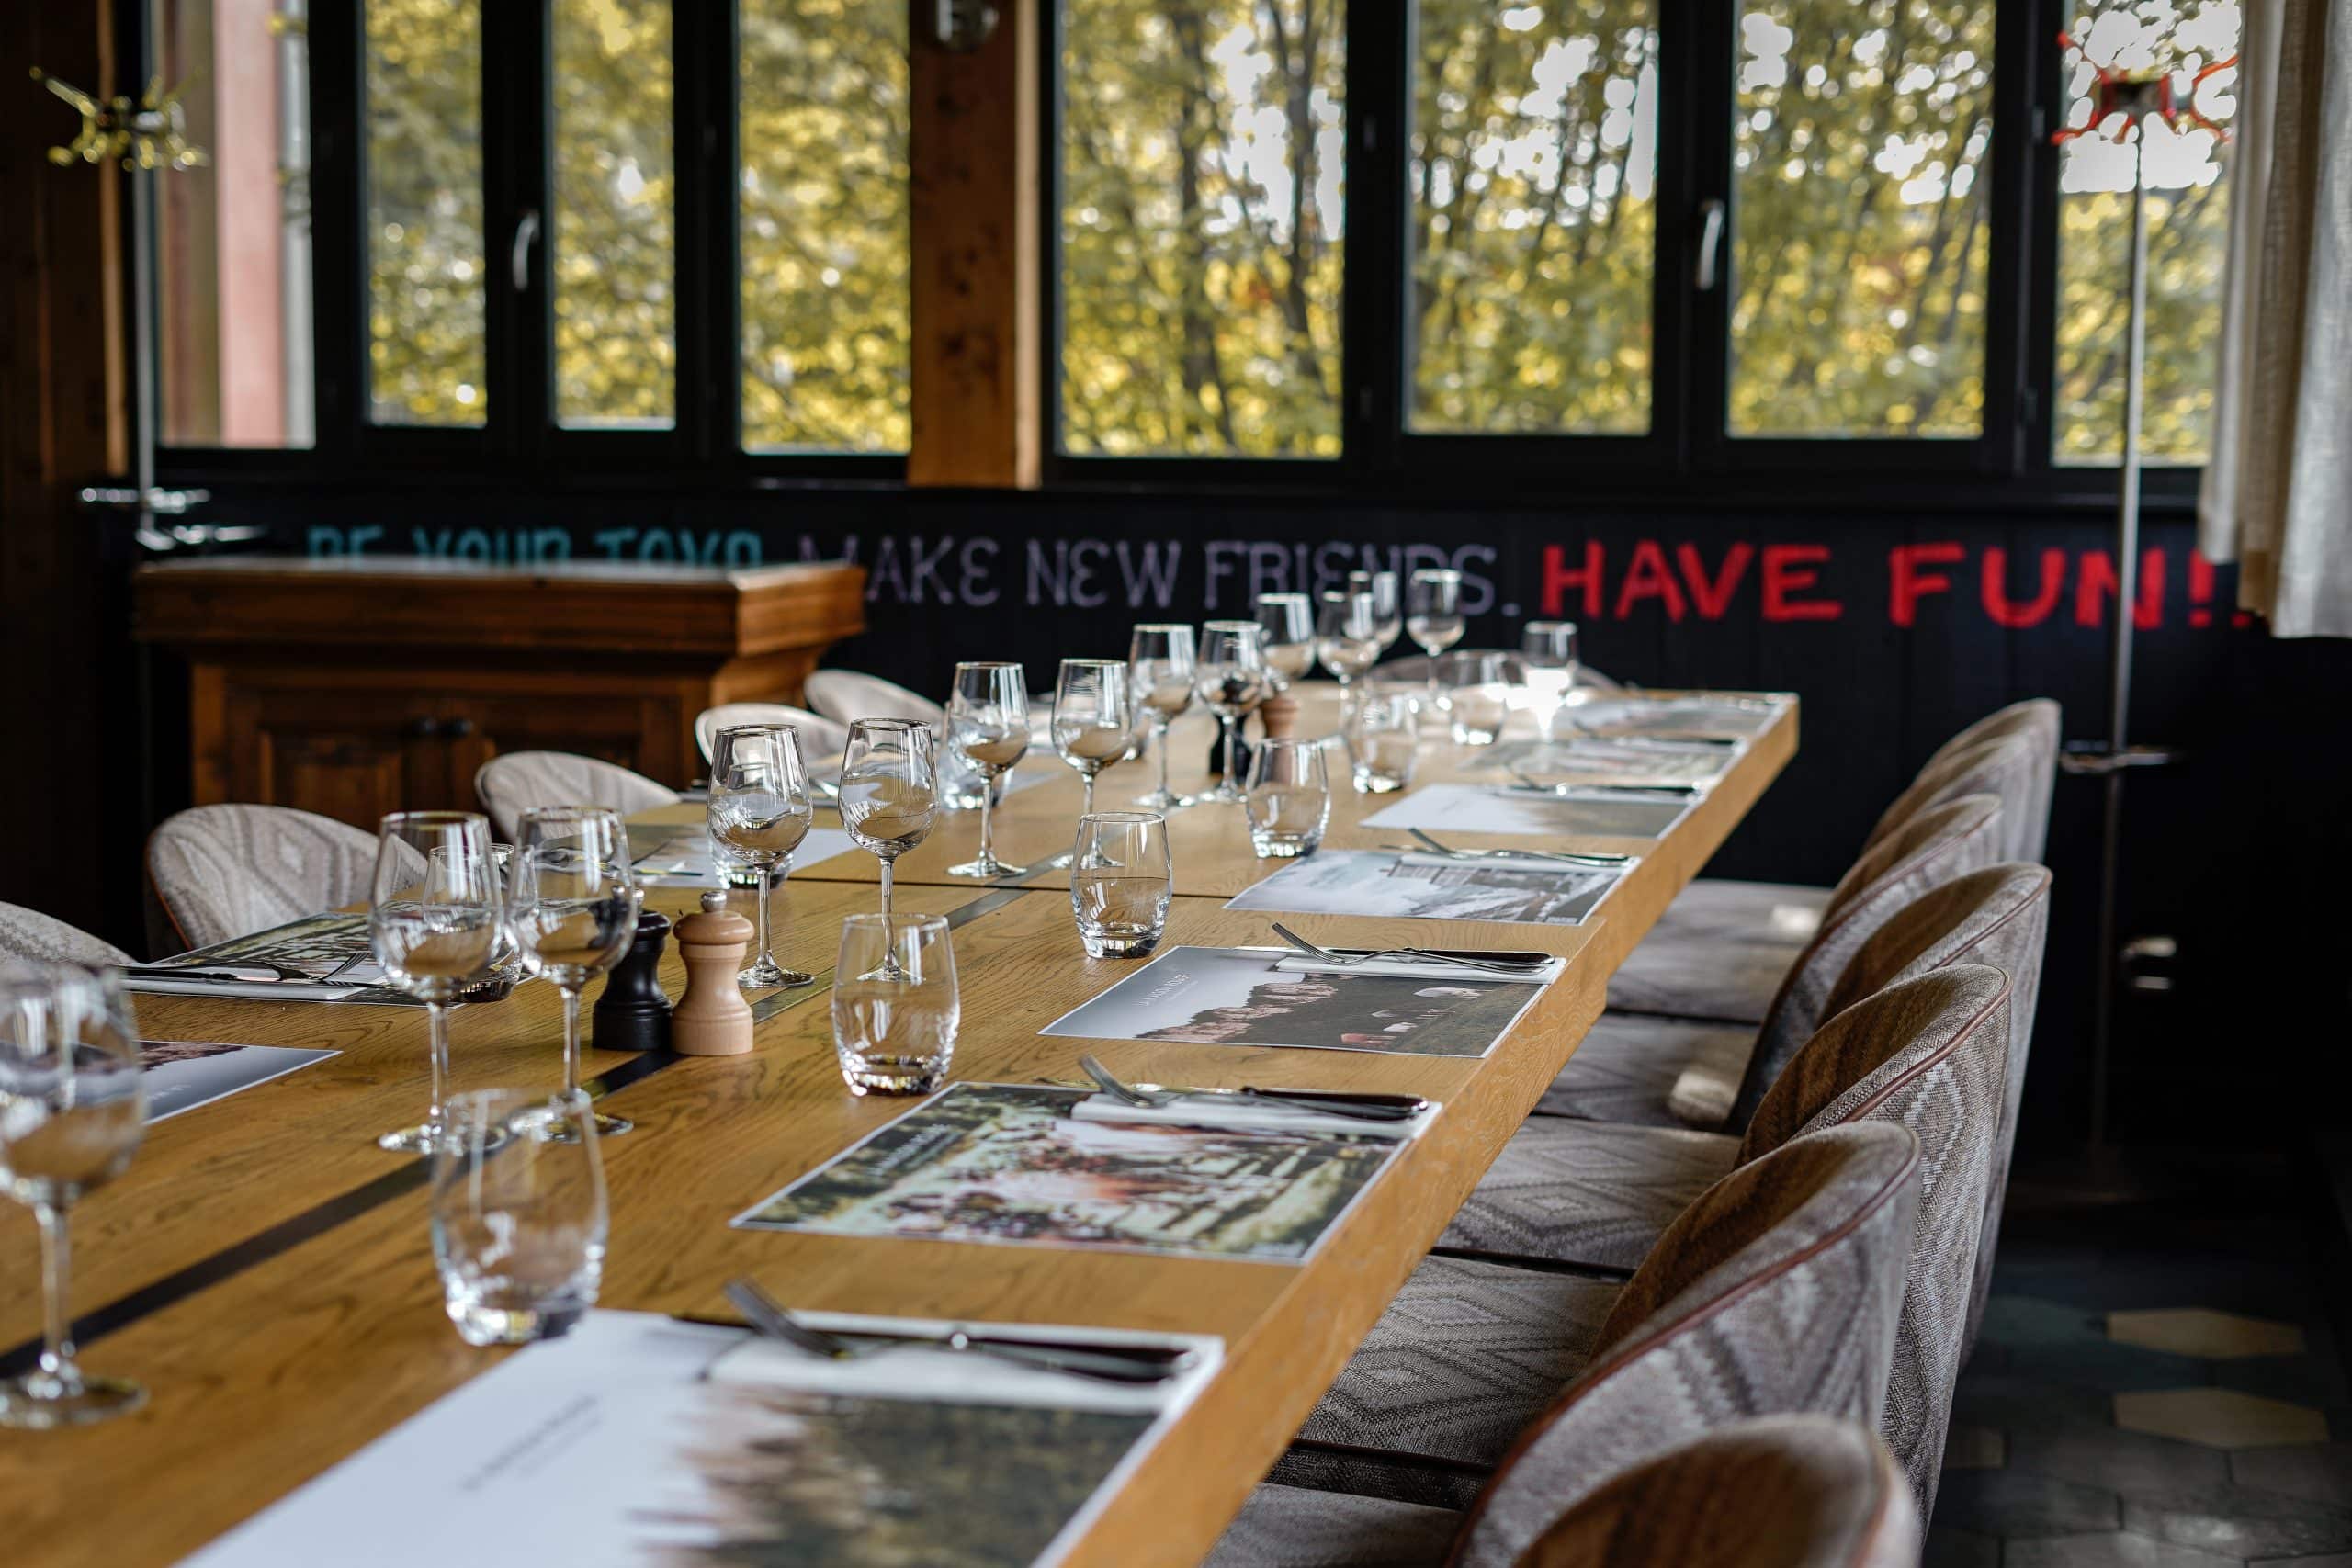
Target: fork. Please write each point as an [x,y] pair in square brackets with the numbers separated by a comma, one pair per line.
[1572,857]
[1142,1365]
[1402,1108]
[1517,967]
[1537,786]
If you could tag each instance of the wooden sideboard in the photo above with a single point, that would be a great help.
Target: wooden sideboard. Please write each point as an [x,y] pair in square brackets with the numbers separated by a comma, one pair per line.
[353,687]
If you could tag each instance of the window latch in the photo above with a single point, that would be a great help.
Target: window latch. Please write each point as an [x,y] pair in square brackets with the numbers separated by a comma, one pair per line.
[526,234]
[1705,270]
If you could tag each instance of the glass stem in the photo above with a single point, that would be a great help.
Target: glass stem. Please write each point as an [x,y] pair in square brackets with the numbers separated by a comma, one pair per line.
[571,1041]
[1090,794]
[1228,787]
[988,815]
[766,873]
[1160,735]
[56,1327]
[886,888]
[436,1034]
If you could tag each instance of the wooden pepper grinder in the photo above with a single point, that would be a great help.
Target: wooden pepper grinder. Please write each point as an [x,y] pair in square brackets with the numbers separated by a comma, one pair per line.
[1279,715]
[712,1019]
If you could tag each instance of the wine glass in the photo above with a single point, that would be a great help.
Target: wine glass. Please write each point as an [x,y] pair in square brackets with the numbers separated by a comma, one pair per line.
[988,726]
[433,919]
[1387,609]
[1347,640]
[1231,680]
[72,1108]
[889,795]
[1547,661]
[1159,675]
[759,814]
[1288,622]
[572,908]
[1095,717]
[1433,615]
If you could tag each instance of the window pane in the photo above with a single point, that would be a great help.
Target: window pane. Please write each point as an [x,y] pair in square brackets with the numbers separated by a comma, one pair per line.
[1861,203]
[1535,163]
[233,249]
[825,223]
[615,256]
[425,272]
[2186,181]
[1204,143]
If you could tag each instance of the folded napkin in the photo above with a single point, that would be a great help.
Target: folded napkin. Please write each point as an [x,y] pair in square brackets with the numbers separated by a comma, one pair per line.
[1517,862]
[1424,968]
[1247,1113]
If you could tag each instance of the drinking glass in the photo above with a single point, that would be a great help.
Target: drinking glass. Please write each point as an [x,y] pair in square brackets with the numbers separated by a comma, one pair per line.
[889,793]
[1120,883]
[1477,695]
[988,727]
[1095,717]
[1231,681]
[1433,615]
[1288,622]
[433,919]
[1387,610]
[895,1003]
[759,814]
[518,1215]
[1289,797]
[1348,642]
[73,1106]
[1160,674]
[1547,662]
[572,908]
[1384,740]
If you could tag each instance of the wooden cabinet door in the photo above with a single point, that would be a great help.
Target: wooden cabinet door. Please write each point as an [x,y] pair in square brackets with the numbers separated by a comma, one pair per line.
[349,755]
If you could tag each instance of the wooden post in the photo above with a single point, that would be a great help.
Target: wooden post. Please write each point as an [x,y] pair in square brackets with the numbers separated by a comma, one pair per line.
[977,307]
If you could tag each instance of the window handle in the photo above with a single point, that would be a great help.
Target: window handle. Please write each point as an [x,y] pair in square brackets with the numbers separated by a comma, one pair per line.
[526,233]
[1711,243]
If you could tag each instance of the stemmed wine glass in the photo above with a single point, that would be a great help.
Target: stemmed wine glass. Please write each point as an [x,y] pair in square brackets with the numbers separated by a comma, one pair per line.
[433,920]
[1095,716]
[1547,662]
[1387,610]
[988,726]
[1159,675]
[1231,680]
[1347,640]
[1433,615]
[759,811]
[889,796]
[1288,622]
[72,1108]
[572,912]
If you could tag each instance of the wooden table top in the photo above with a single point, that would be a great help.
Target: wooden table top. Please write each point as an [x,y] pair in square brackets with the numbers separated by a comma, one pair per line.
[264,1271]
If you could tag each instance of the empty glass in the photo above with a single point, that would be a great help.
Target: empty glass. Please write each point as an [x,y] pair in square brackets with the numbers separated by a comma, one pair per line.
[1347,640]
[1161,662]
[572,908]
[1288,622]
[1388,608]
[1095,717]
[1120,883]
[1231,680]
[987,728]
[1476,688]
[1547,664]
[1289,797]
[1433,615]
[889,792]
[896,1007]
[433,920]
[518,1215]
[759,814]
[1384,738]
[72,1108]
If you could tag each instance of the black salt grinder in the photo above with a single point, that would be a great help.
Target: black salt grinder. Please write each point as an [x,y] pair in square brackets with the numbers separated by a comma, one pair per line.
[632,1012]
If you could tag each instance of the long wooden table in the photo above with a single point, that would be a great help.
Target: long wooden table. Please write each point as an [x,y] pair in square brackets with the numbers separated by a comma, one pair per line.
[265,1270]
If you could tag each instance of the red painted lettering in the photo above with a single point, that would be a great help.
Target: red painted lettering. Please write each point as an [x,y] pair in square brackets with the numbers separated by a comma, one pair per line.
[1907,583]
[2095,585]
[1558,579]
[1648,577]
[1713,596]
[1786,573]
[2006,612]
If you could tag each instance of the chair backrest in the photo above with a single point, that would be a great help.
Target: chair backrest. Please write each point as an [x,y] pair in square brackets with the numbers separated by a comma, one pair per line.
[846,696]
[1779,1491]
[2010,767]
[2042,721]
[1930,1054]
[1776,1292]
[28,933]
[228,871]
[819,737]
[513,781]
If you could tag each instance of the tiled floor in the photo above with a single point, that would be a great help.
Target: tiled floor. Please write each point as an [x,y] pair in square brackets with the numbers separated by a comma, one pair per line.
[2158,1385]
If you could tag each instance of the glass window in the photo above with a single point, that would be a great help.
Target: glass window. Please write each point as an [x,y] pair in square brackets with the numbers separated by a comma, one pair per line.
[1862,210]
[826,208]
[2186,179]
[233,240]
[614,245]
[426,277]
[1533,180]
[1204,146]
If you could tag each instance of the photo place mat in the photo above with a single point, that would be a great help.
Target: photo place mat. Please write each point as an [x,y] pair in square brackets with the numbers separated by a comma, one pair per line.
[1258,996]
[184,1074]
[1009,1164]
[1431,888]
[1483,809]
[1628,761]
[332,951]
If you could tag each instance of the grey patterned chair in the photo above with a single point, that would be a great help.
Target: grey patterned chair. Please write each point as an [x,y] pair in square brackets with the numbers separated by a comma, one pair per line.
[1682,1072]
[1776,1293]
[846,696]
[819,737]
[512,783]
[218,872]
[1928,1052]
[1719,949]
[29,934]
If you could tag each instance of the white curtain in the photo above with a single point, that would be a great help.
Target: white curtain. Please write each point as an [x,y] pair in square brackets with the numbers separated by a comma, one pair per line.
[2277,491]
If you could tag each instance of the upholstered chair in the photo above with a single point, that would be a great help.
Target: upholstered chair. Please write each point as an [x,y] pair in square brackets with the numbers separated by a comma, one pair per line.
[846,696]
[821,738]
[220,872]
[1776,1293]
[1684,1072]
[515,782]
[31,935]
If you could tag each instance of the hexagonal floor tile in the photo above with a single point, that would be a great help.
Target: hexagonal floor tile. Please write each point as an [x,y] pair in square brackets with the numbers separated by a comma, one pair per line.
[2219,1417]
[2119,1461]
[2317,1474]
[1975,1448]
[2011,1503]
[2196,1331]
[2117,1550]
